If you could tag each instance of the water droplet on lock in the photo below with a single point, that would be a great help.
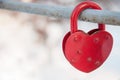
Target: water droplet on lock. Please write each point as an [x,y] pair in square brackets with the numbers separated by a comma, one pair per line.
[76,38]
[96,40]
[97,63]
[73,61]
[89,59]
[79,52]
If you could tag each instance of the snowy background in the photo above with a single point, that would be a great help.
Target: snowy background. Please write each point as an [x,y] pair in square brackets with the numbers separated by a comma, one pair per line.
[30,46]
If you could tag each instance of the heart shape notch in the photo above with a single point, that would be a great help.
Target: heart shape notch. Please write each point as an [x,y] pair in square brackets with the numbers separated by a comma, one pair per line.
[88,52]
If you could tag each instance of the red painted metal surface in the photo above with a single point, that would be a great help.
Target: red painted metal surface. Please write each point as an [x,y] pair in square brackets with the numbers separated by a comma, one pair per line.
[86,51]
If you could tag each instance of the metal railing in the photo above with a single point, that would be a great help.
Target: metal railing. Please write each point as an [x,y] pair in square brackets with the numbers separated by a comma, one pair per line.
[90,15]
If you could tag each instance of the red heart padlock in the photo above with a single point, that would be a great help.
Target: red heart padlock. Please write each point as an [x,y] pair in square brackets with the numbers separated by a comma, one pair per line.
[86,51]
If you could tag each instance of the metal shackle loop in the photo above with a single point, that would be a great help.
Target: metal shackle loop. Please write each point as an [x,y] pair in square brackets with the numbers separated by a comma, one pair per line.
[78,10]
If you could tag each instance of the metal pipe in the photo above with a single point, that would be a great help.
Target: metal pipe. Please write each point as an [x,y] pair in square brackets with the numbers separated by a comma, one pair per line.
[96,16]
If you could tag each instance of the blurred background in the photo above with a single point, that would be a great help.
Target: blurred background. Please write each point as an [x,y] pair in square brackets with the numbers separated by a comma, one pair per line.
[31,46]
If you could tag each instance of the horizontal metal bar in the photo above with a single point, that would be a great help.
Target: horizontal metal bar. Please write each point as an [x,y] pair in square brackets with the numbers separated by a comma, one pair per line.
[96,16]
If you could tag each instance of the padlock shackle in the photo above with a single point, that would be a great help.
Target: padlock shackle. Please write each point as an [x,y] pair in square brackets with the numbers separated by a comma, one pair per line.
[79,9]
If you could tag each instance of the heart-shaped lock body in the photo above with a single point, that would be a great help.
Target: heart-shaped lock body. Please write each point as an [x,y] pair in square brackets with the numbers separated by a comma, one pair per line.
[86,51]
